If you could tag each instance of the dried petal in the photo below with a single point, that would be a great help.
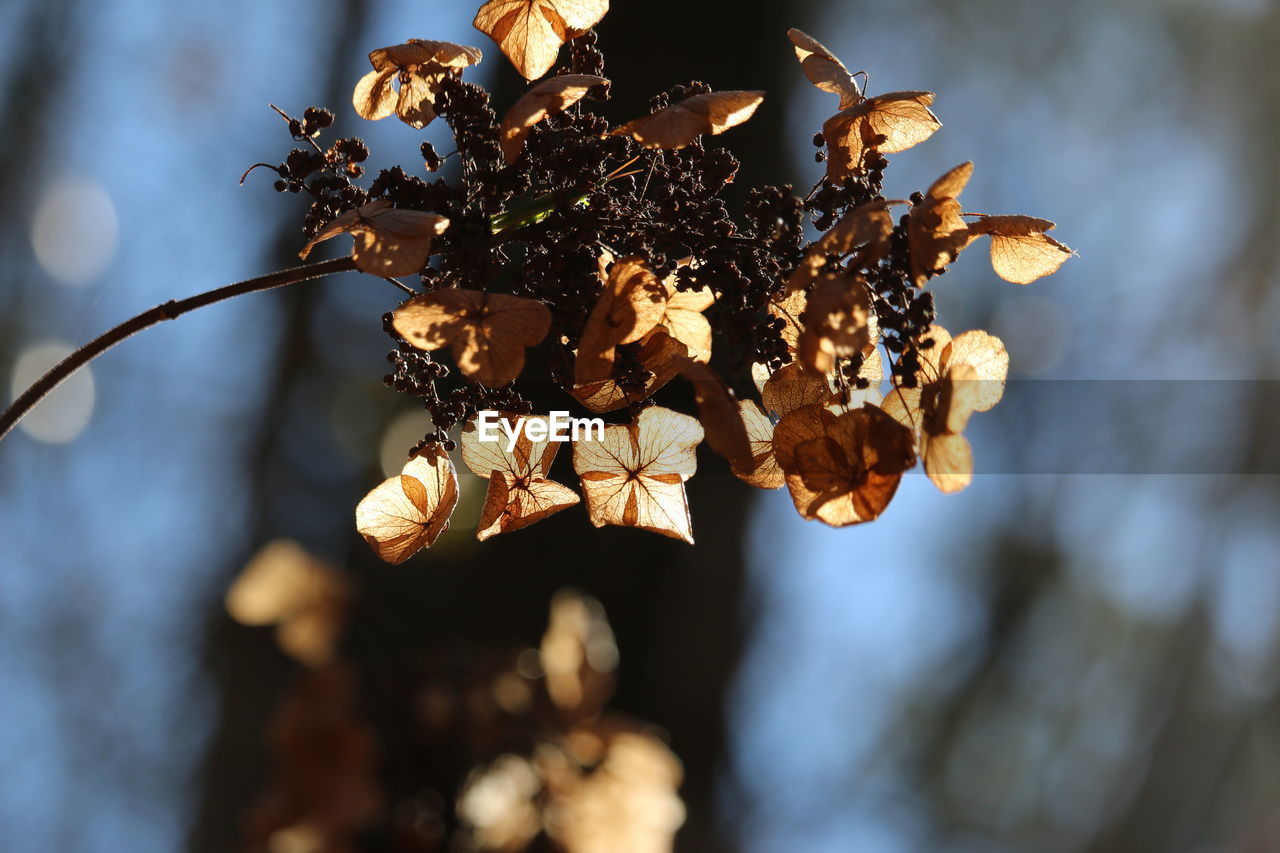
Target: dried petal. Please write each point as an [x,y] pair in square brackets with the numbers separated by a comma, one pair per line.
[683,318]
[886,123]
[838,322]
[726,432]
[935,230]
[866,229]
[791,386]
[530,32]
[790,310]
[1020,250]
[374,97]
[418,66]
[989,359]
[823,69]
[842,469]
[630,305]
[407,513]
[546,98]
[635,477]
[487,332]
[948,460]
[659,354]
[681,123]
[388,241]
[519,493]
[762,471]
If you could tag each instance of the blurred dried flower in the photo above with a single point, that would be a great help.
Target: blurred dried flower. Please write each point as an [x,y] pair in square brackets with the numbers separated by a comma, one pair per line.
[303,597]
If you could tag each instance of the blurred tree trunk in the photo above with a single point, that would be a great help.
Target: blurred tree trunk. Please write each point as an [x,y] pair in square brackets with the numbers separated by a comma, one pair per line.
[676,610]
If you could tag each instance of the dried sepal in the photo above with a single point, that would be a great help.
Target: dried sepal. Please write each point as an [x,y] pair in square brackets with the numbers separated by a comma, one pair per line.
[659,355]
[1021,251]
[936,233]
[632,302]
[886,124]
[863,233]
[762,469]
[683,319]
[838,322]
[842,469]
[635,477]
[487,332]
[417,66]
[546,98]
[408,512]
[681,123]
[789,310]
[519,492]
[718,411]
[530,32]
[389,241]
[791,386]
[957,377]
[823,69]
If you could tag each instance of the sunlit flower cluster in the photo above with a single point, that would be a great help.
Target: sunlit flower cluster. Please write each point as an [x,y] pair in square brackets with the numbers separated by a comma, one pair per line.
[609,250]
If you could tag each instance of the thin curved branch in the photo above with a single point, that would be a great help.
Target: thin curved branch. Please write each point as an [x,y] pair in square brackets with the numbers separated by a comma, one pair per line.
[170,310]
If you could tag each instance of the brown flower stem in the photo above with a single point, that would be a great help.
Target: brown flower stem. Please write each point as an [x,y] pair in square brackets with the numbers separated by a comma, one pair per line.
[170,310]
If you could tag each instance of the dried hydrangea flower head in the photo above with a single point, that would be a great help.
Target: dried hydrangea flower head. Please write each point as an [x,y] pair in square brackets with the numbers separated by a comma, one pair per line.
[611,252]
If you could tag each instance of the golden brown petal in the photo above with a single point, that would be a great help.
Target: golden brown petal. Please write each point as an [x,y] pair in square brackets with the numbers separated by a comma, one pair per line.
[419,66]
[374,97]
[659,355]
[1020,250]
[487,332]
[791,386]
[388,241]
[842,469]
[823,69]
[718,411]
[838,322]
[886,123]
[948,460]
[935,230]
[511,505]
[630,305]
[681,123]
[546,98]
[762,471]
[530,32]
[683,318]
[407,513]
[989,359]
[635,477]
[863,231]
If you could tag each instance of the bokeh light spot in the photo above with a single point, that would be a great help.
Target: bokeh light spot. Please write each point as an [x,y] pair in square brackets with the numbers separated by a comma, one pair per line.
[74,231]
[63,414]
